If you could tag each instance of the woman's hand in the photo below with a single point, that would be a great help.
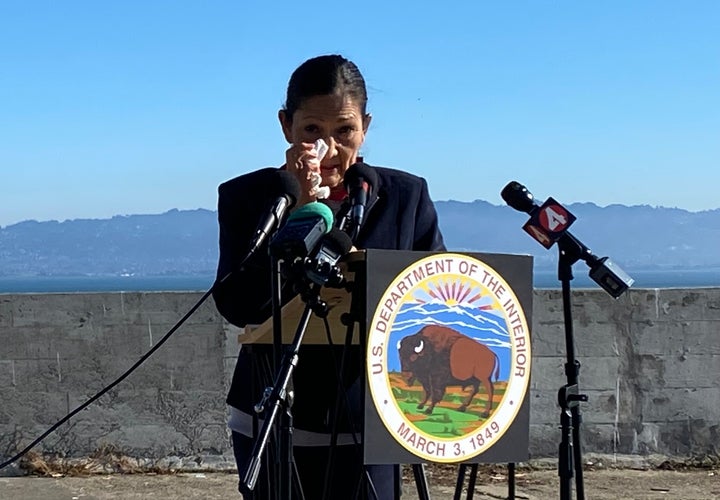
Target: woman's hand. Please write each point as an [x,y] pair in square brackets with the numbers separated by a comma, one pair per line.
[299,161]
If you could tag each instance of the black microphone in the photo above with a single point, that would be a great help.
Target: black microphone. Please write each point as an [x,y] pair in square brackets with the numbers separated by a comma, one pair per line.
[359,181]
[518,197]
[549,223]
[286,189]
[333,247]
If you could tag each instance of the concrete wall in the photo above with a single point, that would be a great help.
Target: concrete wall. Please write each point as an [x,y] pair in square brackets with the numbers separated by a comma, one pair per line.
[58,350]
[650,366]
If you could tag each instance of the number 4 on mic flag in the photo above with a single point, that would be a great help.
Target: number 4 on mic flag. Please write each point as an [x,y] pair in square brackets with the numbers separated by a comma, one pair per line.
[549,222]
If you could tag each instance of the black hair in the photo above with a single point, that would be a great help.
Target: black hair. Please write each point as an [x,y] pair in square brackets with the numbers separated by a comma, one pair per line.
[325,75]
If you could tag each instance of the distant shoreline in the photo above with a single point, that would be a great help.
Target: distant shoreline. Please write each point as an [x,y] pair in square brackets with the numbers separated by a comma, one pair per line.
[680,278]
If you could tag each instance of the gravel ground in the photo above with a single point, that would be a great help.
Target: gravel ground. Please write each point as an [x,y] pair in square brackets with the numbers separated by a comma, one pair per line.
[492,484]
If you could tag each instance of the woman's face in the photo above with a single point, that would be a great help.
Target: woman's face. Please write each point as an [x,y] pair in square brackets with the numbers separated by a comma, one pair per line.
[339,122]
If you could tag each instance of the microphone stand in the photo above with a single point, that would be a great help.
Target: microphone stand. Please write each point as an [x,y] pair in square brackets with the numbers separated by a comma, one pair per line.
[277,399]
[569,397]
[614,281]
[281,456]
[605,273]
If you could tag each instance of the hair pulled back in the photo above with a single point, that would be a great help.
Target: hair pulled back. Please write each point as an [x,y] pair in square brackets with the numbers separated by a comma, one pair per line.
[325,75]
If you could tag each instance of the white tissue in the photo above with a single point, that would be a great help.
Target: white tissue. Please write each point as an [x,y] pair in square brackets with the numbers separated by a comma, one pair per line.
[321,192]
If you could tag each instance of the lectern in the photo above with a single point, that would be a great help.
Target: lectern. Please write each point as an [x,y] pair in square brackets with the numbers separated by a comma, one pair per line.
[444,348]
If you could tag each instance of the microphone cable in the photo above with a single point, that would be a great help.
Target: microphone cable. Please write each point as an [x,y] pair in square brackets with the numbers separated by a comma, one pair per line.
[290,190]
[124,375]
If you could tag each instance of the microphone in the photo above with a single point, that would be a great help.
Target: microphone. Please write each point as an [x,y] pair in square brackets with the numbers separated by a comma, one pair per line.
[302,231]
[286,189]
[549,223]
[359,181]
[518,197]
[334,246]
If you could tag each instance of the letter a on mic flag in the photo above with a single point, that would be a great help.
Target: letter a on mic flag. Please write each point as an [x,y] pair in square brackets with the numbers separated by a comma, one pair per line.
[549,222]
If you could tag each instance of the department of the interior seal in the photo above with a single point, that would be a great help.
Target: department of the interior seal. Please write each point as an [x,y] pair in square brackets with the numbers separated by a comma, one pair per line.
[448,357]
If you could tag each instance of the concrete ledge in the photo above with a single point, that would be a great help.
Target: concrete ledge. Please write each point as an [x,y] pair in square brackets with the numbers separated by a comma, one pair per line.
[650,364]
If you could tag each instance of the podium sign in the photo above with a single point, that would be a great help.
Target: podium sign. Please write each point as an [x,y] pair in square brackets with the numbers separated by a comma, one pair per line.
[447,357]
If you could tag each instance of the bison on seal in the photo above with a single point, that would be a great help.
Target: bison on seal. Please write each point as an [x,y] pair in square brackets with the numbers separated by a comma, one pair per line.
[438,356]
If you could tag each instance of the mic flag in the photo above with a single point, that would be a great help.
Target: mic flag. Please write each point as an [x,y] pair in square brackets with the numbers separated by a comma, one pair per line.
[547,223]
[359,181]
[302,231]
[285,189]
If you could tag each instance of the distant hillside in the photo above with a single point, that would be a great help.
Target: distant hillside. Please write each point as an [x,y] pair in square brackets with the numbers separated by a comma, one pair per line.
[185,242]
[170,243]
[640,237]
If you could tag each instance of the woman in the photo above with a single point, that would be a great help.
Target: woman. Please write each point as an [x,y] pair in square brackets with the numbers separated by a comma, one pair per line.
[326,99]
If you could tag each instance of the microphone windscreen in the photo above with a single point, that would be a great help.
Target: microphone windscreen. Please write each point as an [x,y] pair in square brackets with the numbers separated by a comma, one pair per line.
[270,180]
[358,171]
[338,241]
[314,209]
[518,197]
[286,183]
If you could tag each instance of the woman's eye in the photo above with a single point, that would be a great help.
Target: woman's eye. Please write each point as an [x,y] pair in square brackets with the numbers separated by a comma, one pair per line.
[346,129]
[311,129]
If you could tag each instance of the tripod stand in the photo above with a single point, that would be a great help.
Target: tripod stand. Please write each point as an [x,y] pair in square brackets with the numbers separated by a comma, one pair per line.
[357,475]
[615,282]
[307,276]
[277,399]
[569,398]
[473,479]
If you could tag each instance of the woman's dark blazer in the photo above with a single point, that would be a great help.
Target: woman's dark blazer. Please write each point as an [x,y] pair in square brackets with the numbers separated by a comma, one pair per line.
[399,215]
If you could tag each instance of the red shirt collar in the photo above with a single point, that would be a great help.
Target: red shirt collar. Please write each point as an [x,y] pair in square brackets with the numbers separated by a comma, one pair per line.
[338,194]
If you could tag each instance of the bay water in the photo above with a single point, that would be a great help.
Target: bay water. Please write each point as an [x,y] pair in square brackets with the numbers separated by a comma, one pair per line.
[673,278]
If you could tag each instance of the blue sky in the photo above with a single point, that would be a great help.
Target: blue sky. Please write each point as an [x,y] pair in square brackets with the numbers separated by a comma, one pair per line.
[138,107]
